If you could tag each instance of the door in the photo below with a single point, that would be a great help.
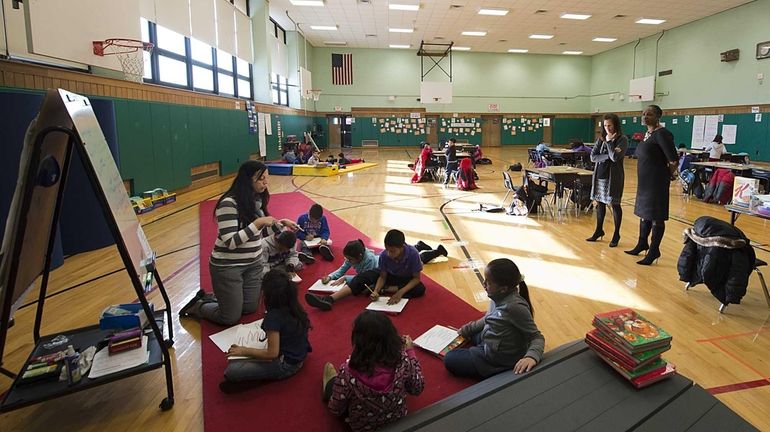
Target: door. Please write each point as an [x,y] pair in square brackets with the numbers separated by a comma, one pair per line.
[548,130]
[432,130]
[334,131]
[490,131]
[598,130]
[345,130]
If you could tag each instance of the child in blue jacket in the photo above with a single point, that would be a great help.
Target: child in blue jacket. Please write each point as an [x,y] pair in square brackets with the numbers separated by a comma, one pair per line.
[364,261]
[313,225]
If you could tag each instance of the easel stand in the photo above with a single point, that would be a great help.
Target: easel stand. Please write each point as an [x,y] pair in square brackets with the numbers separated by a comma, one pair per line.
[44,171]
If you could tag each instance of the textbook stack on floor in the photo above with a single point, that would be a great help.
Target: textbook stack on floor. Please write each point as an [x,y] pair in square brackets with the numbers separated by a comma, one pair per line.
[632,345]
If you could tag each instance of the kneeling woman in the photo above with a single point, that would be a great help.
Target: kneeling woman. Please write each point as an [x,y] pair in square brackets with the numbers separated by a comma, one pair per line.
[506,337]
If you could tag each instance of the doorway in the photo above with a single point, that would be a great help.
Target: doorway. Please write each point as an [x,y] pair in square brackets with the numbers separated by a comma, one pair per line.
[548,130]
[432,130]
[340,130]
[490,131]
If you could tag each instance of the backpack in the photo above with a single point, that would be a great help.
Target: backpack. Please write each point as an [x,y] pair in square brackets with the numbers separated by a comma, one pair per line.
[515,167]
[580,195]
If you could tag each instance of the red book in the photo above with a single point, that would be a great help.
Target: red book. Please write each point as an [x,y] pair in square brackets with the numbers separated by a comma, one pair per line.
[598,340]
[125,345]
[656,366]
[619,343]
[634,332]
[654,376]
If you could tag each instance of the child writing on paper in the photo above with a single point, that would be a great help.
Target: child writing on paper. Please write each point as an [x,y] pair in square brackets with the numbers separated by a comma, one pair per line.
[364,262]
[313,224]
[286,325]
[372,385]
[400,269]
[280,252]
[506,337]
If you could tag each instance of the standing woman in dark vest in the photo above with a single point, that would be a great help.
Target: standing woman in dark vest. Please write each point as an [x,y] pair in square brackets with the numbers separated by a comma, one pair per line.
[609,176]
[656,168]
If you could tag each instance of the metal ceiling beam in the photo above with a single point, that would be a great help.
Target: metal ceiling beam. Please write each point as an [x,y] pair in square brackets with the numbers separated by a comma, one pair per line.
[431,50]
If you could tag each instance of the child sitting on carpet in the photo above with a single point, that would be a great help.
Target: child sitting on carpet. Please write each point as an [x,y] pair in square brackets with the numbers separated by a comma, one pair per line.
[280,252]
[286,325]
[313,224]
[364,261]
[506,337]
[400,270]
[373,383]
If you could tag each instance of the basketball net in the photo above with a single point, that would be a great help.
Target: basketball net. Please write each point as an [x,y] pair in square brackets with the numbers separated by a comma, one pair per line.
[130,53]
[313,94]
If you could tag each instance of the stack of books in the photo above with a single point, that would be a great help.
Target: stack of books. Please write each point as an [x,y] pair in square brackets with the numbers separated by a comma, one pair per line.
[125,341]
[632,345]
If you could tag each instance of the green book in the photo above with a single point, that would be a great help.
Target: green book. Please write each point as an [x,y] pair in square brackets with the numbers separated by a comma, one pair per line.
[632,330]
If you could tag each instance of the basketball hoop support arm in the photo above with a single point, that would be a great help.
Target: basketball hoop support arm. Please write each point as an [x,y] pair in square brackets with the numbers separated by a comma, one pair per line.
[430,50]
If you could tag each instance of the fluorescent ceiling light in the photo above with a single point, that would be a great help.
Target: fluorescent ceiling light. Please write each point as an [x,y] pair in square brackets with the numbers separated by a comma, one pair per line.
[404,7]
[317,3]
[321,27]
[518,50]
[573,52]
[495,12]
[650,21]
[474,33]
[400,46]
[461,48]
[401,30]
[341,43]
[540,36]
[604,39]
[573,16]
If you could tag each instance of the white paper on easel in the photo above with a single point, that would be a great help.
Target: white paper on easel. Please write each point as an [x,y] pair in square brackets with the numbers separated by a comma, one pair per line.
[729,133]
[106,364]
[319,286]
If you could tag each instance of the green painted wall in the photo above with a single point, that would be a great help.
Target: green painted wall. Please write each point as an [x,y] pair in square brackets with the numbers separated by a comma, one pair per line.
[159,142]
[370,128]
[565,130]
[521,130]
[517,83]
[691,51]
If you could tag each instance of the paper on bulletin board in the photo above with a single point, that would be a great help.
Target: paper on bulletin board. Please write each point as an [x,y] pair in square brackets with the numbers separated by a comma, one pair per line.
[728,133]
[268,125]
[261,134]
[698,126]
[712,128]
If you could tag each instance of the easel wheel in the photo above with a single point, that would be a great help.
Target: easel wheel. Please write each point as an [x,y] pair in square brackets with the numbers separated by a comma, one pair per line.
[167,404]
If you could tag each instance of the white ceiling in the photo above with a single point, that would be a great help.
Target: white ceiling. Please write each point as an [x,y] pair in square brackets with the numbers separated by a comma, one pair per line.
[437,18]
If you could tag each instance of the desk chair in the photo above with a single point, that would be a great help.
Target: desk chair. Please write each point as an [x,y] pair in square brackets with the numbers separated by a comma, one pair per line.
[764,178]
[545,201]
[516,207]
[757,264]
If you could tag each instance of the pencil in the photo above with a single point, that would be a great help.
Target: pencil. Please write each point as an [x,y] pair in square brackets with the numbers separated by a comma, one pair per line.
[369,288]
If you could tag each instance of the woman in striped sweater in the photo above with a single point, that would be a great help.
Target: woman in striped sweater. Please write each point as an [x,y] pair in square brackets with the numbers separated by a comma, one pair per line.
[236,263]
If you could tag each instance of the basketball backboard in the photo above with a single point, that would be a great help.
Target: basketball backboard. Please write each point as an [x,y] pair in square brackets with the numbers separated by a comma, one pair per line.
[435,92]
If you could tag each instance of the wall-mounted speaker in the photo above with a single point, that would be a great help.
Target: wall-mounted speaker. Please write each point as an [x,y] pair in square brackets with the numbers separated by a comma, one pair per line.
[731,55]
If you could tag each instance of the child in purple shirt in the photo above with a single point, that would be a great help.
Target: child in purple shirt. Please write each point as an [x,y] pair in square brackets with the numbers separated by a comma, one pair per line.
[400,269]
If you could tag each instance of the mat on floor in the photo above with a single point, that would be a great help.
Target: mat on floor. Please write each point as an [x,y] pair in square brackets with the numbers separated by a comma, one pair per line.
[295,404]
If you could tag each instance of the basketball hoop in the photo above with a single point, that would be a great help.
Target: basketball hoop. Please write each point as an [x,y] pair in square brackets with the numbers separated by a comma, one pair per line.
[315,94]
[634,98]
[130,53]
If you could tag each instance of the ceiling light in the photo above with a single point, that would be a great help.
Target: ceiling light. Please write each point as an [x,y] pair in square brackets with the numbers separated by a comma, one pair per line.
[401,30]
[650,21]
[461,48]
[495,12]
[573,52]
[604,39]
[400,46]
[404,7]
[518,50]
[540,36]
[317,3]
[573,16]
[338,43]
[474,33]
[321,27]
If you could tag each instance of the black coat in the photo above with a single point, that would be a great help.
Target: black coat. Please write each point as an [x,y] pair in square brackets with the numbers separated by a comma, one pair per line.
[719,255]
[653,175]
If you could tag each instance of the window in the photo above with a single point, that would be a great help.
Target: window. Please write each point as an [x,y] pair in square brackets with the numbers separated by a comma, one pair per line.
[280,86]
[278,31]
[179,61]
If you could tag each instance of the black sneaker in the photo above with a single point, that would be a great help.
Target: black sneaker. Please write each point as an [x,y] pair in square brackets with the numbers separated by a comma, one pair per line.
[326,252]
[319,302]
[442,250]
[185,310]
[305,258]
[422,246]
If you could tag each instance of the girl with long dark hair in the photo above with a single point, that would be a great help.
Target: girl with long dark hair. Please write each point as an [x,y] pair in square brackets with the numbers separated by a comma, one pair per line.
[506,337]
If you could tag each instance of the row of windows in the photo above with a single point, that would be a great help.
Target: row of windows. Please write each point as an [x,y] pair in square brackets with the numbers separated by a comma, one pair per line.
[184,62]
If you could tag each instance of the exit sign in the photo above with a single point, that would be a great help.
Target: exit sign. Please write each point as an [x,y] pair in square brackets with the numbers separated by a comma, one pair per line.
[493,107]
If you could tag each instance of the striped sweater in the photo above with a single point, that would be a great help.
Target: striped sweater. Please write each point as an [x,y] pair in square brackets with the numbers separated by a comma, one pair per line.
[235,245]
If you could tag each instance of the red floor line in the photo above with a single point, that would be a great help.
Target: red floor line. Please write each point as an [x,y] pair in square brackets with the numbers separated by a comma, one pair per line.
[739,360]
[731,336]
[738,386]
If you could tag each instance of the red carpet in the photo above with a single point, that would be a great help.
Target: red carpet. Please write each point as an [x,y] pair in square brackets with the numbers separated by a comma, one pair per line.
[295,404]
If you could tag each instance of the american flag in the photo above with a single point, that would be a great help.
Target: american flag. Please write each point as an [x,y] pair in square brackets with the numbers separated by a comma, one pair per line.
[342,69]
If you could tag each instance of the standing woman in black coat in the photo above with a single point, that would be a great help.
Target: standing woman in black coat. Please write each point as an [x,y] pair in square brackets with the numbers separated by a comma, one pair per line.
[656,168]
[608,179]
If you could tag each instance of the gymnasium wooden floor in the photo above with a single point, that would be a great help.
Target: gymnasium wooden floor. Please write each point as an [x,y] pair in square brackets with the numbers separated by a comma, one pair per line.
[569,281]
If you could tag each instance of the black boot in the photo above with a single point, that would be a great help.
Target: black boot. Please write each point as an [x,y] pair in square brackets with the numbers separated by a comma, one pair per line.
[429,255]
[617,217]
[641,245]
[601,210]
[422,246]
[442,250]
[654,253]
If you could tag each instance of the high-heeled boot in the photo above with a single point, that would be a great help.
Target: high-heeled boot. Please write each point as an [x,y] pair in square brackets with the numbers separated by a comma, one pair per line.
[601,209]
[654,253]
[617,216]
[645,227]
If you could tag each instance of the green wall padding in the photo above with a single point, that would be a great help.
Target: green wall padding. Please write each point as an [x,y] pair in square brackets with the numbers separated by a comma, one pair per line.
[528,131]
[371,128]
[565,130]
[471,130]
